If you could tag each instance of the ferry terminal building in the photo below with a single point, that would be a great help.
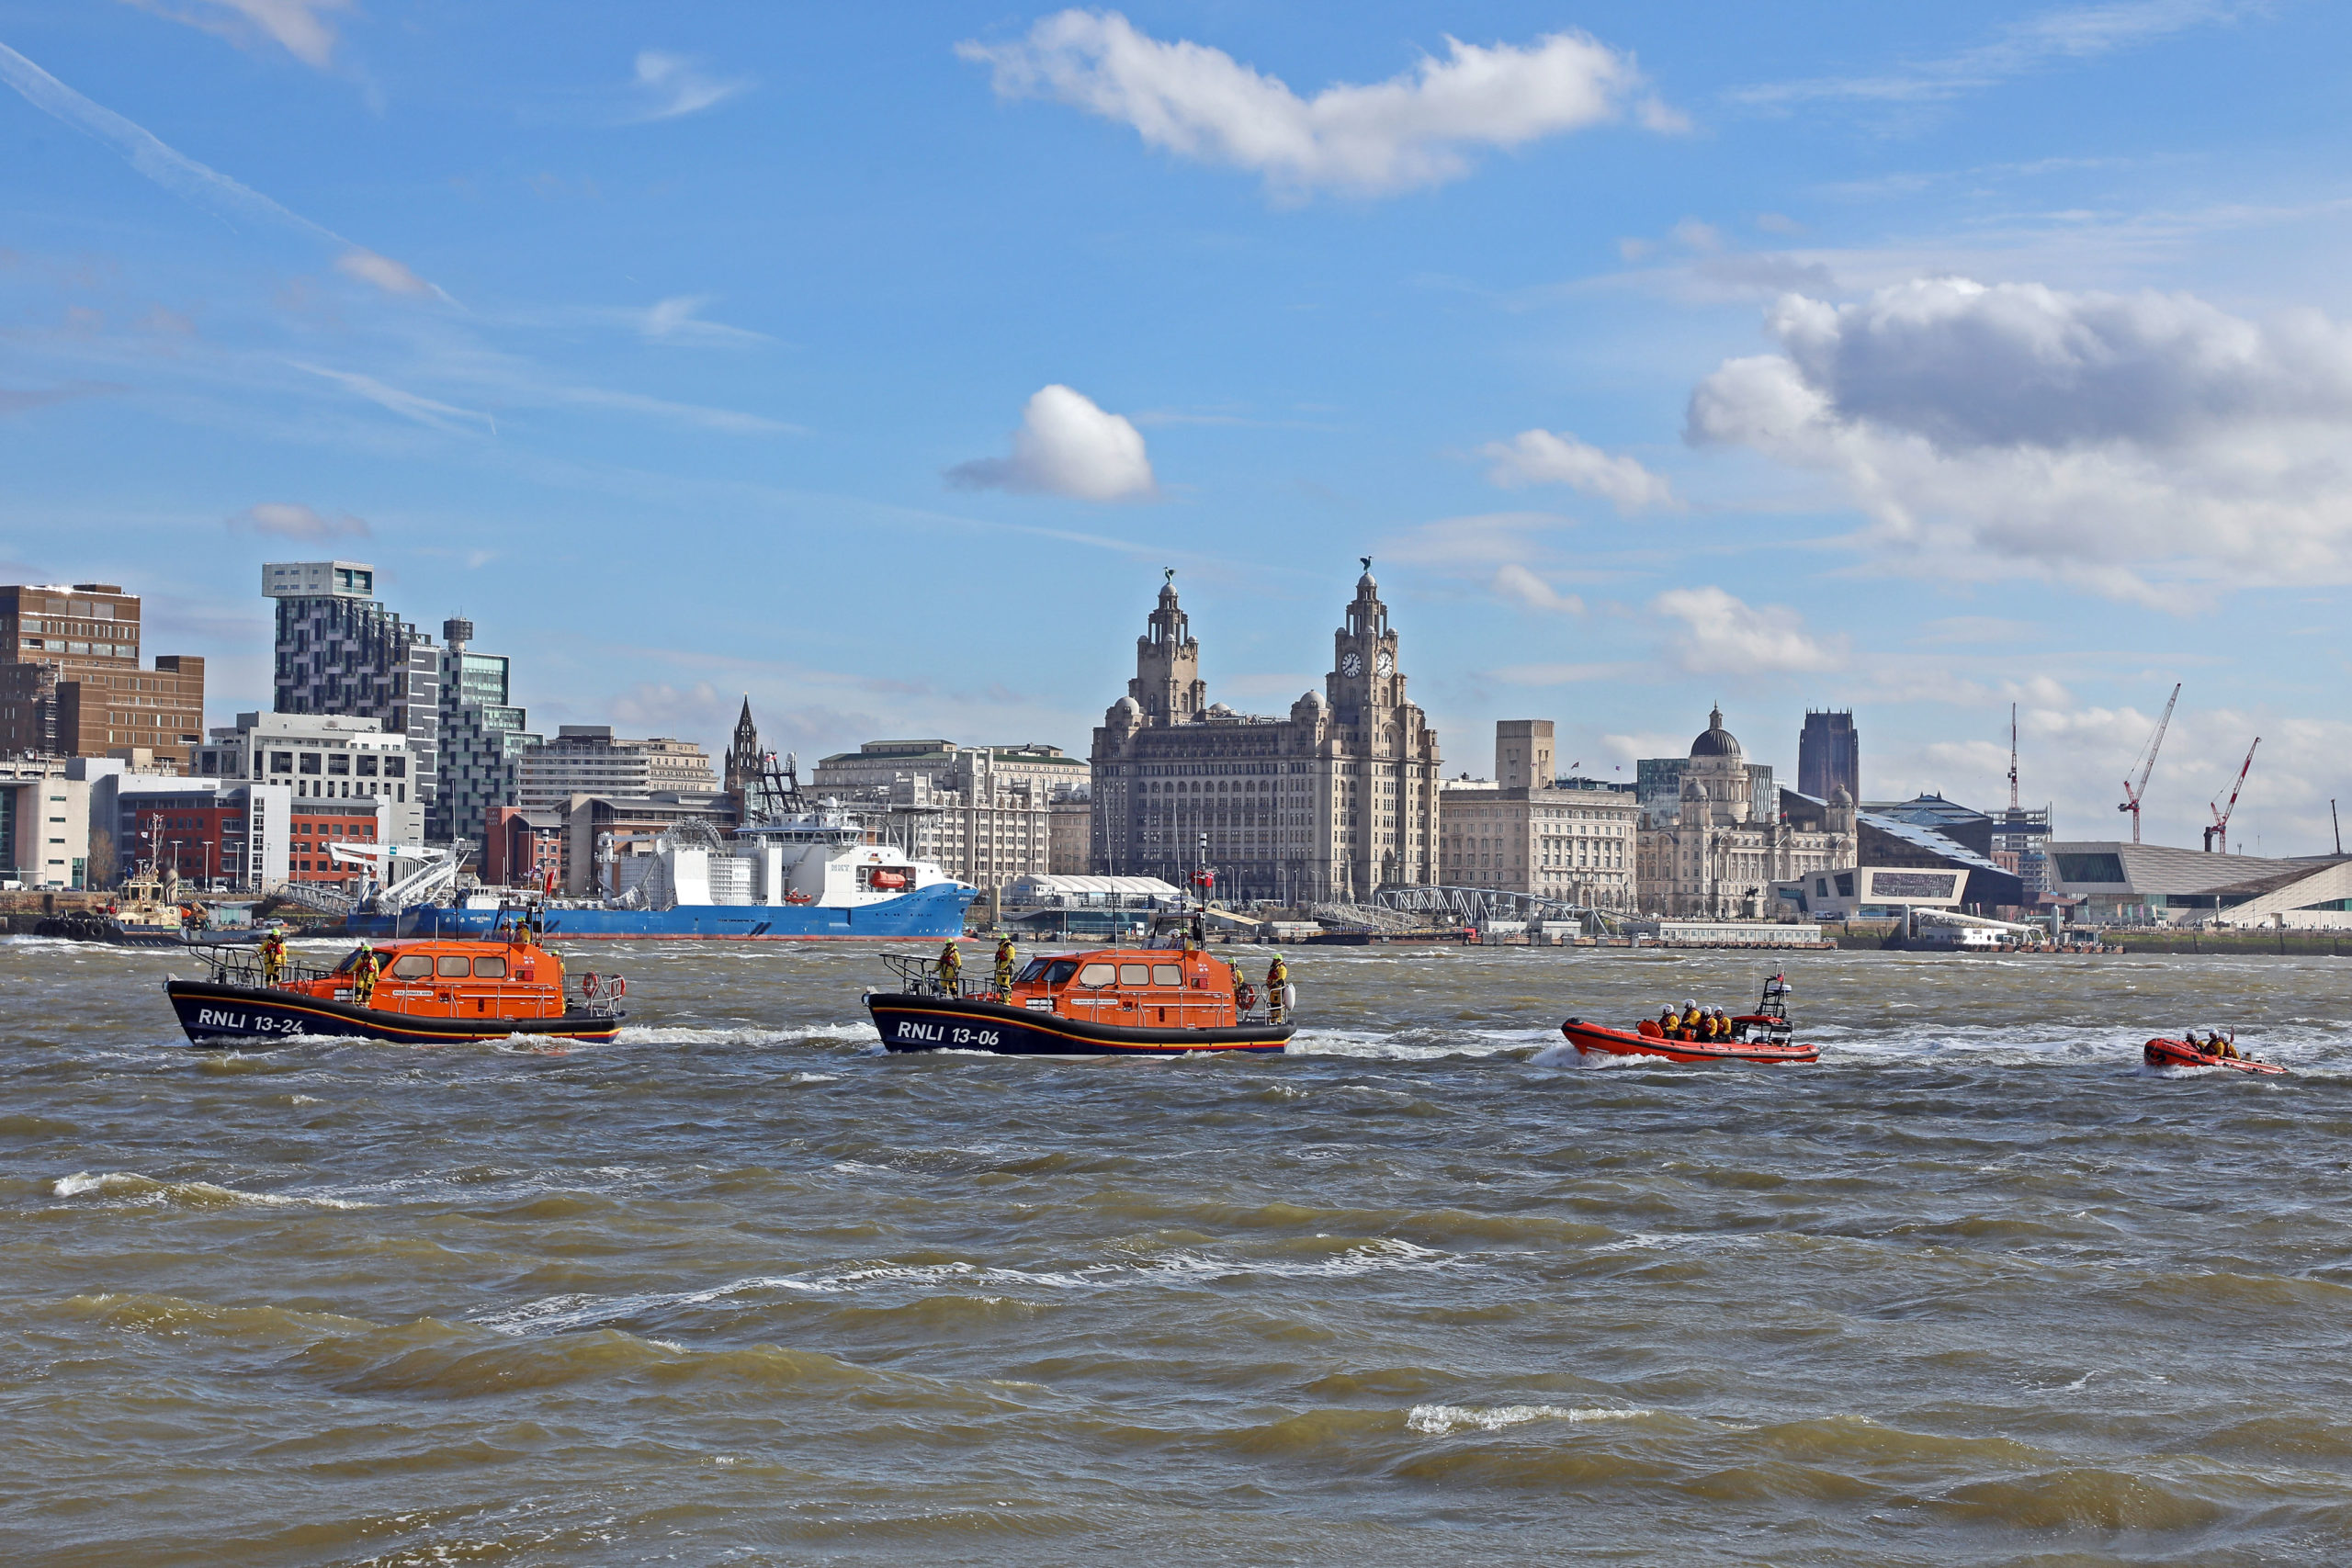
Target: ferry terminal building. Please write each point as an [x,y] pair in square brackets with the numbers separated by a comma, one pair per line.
[1329,805]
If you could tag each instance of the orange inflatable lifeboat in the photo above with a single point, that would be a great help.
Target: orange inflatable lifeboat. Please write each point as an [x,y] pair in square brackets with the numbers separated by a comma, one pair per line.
[1759,1036]
[2165,1053]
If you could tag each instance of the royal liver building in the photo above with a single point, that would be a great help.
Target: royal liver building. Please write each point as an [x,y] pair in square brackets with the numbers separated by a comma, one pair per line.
[1331,802]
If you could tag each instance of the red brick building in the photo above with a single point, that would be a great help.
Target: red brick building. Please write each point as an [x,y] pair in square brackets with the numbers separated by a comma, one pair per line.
[319,825]
[71,683]
[520,847]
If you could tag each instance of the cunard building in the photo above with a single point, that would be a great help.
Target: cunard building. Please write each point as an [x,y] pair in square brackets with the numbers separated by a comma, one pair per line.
[1329,804]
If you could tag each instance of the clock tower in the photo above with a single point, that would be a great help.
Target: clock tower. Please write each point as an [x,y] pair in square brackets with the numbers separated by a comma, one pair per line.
[1378,783]
[1329,805]
[1363,680]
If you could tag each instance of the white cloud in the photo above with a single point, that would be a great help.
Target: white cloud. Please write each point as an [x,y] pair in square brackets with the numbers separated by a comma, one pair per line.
[2128,442]
[1412,129]
[302,26]
[385,273]
[286,520]
[2073,33]
[676,320]
[1722,636]
[1515,583]
[1066,446]
[1539,456]
[669,86]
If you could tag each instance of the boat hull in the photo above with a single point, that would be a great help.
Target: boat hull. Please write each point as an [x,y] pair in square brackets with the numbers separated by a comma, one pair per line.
[215,1014]
[1593,1039]
[934,913]
[2180,1054]
[939,1023]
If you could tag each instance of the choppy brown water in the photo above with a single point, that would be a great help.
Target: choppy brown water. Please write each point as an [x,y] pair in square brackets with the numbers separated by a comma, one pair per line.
[1978,1289]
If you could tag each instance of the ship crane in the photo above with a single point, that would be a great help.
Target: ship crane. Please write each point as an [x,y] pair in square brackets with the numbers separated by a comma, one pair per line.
[2146,763]
[2218,835]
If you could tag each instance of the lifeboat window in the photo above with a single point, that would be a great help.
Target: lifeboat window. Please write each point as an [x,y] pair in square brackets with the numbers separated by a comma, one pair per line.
[1033,970]
[1097,975]
[1167,975]
[1134,973]
[454,965]
[490,968]
[411,966]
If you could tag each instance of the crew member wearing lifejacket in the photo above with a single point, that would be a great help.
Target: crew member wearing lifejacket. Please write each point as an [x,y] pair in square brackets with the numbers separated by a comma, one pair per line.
[1669,1023]
[363,976]
[1006,962]
[1721,1020]
[1277,976]
[1693,1020]
[273,957]
[951,968]
[2218,1046]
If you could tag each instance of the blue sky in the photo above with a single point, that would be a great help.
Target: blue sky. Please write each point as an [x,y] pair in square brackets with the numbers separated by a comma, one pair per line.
[873,360]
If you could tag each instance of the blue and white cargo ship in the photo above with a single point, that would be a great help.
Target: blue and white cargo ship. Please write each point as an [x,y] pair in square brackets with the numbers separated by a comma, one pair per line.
[807,872]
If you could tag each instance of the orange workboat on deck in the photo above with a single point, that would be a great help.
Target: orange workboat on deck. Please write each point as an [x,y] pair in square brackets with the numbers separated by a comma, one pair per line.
[427,991]
[1112,1001]
[1761,1036]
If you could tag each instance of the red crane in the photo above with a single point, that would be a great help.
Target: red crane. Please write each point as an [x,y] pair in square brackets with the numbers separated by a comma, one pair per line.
[2219,833]
[2146,763]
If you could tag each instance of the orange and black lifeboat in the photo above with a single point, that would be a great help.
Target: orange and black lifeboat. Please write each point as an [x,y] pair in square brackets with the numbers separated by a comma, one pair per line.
[1107,1001]
[431,991]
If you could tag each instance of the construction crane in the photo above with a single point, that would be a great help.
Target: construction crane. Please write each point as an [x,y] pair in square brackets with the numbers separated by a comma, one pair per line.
[2145,763]
[2218,835]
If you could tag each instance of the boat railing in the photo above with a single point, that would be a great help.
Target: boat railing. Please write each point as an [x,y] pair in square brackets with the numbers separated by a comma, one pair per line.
[920,976]
[593,995]
[246,967]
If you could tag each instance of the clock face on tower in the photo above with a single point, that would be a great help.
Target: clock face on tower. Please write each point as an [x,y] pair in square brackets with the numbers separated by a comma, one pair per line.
[1352,665]
[1383,665]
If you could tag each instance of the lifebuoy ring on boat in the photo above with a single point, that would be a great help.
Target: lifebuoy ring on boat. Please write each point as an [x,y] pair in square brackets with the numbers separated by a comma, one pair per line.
[589,985]
[621,987]
[1245,997]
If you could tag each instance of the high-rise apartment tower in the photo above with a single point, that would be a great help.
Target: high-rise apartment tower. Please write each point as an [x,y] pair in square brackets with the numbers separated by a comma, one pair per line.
[342,651]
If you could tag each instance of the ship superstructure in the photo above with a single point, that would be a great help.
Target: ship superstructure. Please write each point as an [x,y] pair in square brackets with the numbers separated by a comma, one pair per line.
[802,870]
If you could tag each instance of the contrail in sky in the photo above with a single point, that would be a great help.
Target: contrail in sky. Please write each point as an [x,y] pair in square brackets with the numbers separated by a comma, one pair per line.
[176,171]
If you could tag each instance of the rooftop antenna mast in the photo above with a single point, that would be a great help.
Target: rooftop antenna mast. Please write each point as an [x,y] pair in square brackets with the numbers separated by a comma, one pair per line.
[2146,763]
[2013,757]
[2219,833]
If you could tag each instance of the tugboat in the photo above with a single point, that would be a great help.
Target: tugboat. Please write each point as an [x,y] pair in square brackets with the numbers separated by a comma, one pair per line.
[1111,1001]
[439,991]
[1758,1036]
[2166,1053]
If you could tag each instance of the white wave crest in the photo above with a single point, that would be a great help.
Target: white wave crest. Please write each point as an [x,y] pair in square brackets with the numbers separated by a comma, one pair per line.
[129,1186]
[1436,1420]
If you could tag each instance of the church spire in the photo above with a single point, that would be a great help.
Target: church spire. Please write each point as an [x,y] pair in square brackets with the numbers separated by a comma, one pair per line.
[743,770]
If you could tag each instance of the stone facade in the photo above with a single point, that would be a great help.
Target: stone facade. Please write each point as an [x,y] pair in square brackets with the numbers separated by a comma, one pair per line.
[1329,804]
[1717,856]
[1530,832]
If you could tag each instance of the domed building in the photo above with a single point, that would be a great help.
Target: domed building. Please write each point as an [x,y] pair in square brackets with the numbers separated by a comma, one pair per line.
[1717,855]
[1333,801]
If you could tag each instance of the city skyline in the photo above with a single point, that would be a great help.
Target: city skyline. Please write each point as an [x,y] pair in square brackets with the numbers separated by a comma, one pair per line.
[1661,393]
